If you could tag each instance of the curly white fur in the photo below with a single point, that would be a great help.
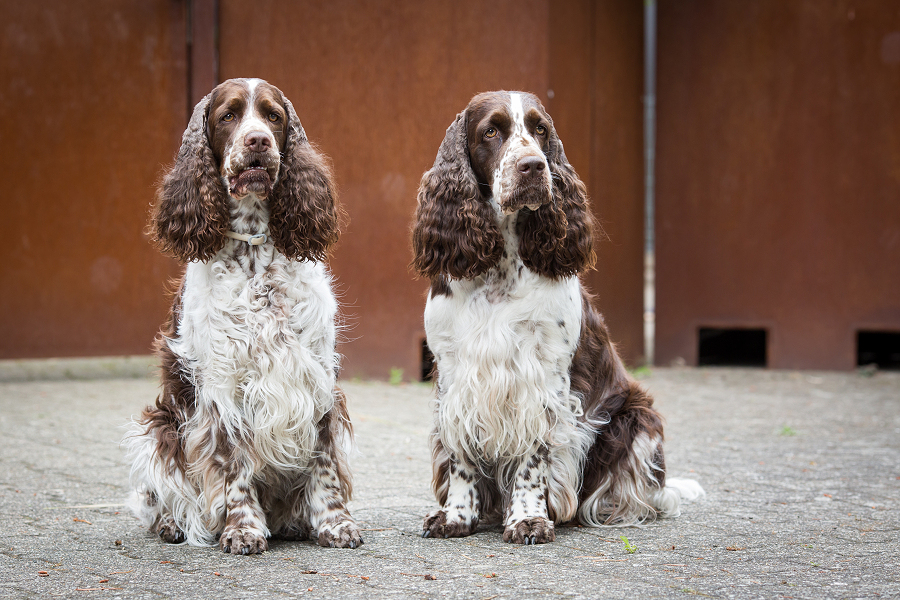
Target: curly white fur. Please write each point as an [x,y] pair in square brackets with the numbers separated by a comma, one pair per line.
[260,351]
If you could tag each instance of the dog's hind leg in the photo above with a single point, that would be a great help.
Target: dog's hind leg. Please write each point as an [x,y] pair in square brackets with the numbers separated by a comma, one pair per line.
[168,530]
[625,476]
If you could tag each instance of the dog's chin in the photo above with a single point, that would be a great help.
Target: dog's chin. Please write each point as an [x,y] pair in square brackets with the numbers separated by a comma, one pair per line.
[255,180]
[531,197]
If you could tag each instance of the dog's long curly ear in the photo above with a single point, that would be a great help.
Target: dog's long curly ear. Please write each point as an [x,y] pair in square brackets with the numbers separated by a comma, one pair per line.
[190,216]
[556,240]
[455,231]
[304,221]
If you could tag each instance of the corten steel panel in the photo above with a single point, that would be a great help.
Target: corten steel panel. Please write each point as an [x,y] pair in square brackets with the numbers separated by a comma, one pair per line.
[596,74]
[617,181]
[778,174]
[93,103]
[203,50]
[376,84]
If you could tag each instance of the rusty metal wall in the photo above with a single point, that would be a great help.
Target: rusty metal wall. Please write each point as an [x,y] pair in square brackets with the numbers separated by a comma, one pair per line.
[376,84]
[616,177]
[376,87]
[105,88]
[778,175]
[93,103]
[596,74]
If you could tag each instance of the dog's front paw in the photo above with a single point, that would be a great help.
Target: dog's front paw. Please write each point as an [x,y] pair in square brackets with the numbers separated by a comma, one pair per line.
[168,531]
[440,525]
[243,541]
[343,534]
[536,530]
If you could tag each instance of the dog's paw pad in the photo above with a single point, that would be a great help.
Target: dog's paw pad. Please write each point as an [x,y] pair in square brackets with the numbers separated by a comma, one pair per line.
[243,541]
[340,535]
[169,532]
[439,525]
[536,530]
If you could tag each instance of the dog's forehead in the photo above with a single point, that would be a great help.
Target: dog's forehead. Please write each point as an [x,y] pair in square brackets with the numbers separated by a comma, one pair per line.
[488,101]
[265,93]
[488,104]
[531,104]
[239,93]
[230,91]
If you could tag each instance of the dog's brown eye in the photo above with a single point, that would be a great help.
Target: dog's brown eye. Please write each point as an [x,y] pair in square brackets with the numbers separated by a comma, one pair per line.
[540,130]
[228,118]
[491,132]
[273,117]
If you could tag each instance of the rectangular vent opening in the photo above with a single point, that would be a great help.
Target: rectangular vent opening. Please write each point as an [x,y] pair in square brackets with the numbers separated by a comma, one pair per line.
[732,347]
[879,348]
[427,362]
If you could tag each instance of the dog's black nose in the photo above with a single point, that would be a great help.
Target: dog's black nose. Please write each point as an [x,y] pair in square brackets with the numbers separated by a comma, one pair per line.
[256,141]
[530,165]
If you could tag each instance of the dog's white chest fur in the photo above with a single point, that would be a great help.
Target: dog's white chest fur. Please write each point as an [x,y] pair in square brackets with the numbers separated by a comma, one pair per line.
[261,346]
[503,344]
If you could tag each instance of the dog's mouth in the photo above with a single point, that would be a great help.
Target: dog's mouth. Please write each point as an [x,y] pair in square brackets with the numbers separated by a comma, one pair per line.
[531,197]
[254,179]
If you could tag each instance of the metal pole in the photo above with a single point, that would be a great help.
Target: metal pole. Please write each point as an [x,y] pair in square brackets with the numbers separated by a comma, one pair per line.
[649,157]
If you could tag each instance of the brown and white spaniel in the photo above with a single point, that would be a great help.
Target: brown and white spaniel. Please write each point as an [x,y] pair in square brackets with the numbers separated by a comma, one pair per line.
[537,420]
[249,435]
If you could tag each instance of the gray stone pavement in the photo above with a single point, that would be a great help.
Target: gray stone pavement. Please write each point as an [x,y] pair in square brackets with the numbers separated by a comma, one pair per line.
[802,472]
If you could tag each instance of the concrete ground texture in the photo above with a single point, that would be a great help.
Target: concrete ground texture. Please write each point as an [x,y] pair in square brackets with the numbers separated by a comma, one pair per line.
[801,469]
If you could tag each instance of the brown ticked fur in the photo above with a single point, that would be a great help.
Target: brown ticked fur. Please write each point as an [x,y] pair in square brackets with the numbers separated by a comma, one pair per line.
[598,375]
[455,230]
[175,404]
[272,496]
[333,426]
[488,493]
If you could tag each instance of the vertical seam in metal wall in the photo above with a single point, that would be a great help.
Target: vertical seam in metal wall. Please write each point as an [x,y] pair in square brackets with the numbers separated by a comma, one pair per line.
[216,31]
[188,56]
[649,189]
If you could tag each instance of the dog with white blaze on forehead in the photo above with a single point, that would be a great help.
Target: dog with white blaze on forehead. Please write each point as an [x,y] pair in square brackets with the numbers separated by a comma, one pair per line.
[249,436]
[537,420]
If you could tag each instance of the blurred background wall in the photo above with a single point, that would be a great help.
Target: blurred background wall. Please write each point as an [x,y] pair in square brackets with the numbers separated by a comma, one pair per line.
[778,172]
[778,159]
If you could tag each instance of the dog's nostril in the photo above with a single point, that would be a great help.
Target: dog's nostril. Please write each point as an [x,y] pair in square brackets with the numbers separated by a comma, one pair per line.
[257,142]
[530,164]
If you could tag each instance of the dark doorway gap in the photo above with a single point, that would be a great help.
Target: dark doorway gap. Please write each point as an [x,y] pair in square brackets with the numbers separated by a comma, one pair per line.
[742,347]
[880,348]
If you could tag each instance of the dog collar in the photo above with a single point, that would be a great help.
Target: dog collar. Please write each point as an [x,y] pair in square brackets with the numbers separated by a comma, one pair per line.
[257,239]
